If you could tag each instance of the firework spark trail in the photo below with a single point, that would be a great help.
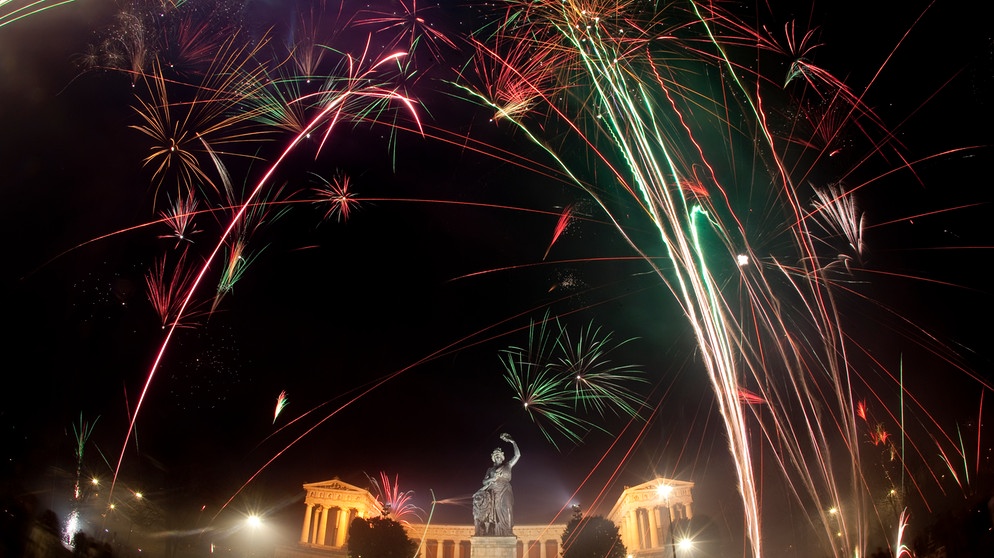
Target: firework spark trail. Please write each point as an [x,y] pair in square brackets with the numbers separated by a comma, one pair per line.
[360,85]
[214,119]
[564,221]
[281,403]
[410,25]
[21,10]
[479,337]
[399,503]
[166,290]
[81,435]
[179,215]
[633,128]
[638,141]
[559,379]
[338,195]
[661,178]
[660,175]
[171,218]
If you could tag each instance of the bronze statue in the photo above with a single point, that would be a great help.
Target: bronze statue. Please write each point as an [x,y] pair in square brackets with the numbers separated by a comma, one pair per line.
[493,503]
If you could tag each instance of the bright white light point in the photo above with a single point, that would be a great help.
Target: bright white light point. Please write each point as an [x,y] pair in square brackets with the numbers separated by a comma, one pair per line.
[742,260]
[685,544]
[664,490]
[253,520]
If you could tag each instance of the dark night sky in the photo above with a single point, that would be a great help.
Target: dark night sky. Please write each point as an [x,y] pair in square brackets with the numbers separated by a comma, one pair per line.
[328,308]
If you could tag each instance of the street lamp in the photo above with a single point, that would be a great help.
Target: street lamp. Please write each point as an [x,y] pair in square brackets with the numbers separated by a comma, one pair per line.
[665,492]
[255,523]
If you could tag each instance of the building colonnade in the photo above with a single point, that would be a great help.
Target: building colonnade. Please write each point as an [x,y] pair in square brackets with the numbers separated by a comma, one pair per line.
[330,508]
[644,515]
[317,519]
[456,541]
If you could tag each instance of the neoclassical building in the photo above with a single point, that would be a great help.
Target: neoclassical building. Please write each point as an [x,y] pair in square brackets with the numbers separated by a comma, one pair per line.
[644,515]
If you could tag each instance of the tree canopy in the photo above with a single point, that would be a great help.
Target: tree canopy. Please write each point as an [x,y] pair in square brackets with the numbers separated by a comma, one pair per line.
[592,537]
[379,537]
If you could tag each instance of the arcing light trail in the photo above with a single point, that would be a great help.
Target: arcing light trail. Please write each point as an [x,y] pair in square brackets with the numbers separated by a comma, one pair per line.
[332,113]
[637,140]
[473,339]
[662,162]
[16,10]
[797,359]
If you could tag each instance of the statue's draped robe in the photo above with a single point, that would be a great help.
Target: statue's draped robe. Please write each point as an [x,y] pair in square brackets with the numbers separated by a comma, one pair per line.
[492,504]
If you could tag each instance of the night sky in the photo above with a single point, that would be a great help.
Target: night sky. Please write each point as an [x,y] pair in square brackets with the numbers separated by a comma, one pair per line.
[385,329]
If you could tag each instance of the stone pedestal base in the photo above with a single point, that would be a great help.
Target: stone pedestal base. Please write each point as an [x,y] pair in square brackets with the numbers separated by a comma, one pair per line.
[493,547]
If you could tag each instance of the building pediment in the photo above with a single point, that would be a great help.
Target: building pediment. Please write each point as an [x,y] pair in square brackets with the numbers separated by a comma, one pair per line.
[648,495]
[336,493]
[653,485]
[336,485]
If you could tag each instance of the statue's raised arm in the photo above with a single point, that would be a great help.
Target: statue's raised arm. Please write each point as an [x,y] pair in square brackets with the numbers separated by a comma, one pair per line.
[517,452]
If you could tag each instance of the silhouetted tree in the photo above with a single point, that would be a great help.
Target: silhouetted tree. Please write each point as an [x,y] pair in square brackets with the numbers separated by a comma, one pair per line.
[50,522]
[81,544]
[379,537]
[592,537]
[15,523]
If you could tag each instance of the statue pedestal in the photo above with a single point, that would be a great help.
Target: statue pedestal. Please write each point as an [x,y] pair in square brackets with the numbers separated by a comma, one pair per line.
[493,547]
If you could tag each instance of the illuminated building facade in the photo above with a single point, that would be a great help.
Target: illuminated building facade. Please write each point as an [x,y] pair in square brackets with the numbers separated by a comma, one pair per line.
[644,515]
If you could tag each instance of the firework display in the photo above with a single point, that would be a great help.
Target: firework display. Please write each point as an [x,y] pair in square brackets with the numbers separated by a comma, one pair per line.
[690,179]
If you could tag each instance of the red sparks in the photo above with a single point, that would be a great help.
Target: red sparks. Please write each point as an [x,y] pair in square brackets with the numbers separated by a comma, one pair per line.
[694,187]
[750,398]
[340,200]
[564,220]
[167,288]
[410,26]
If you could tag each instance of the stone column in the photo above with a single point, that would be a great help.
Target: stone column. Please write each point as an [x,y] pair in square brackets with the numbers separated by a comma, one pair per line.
[343,527]
[305,532]
[653,528]
[322,526]
[626,531]
[637,533]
